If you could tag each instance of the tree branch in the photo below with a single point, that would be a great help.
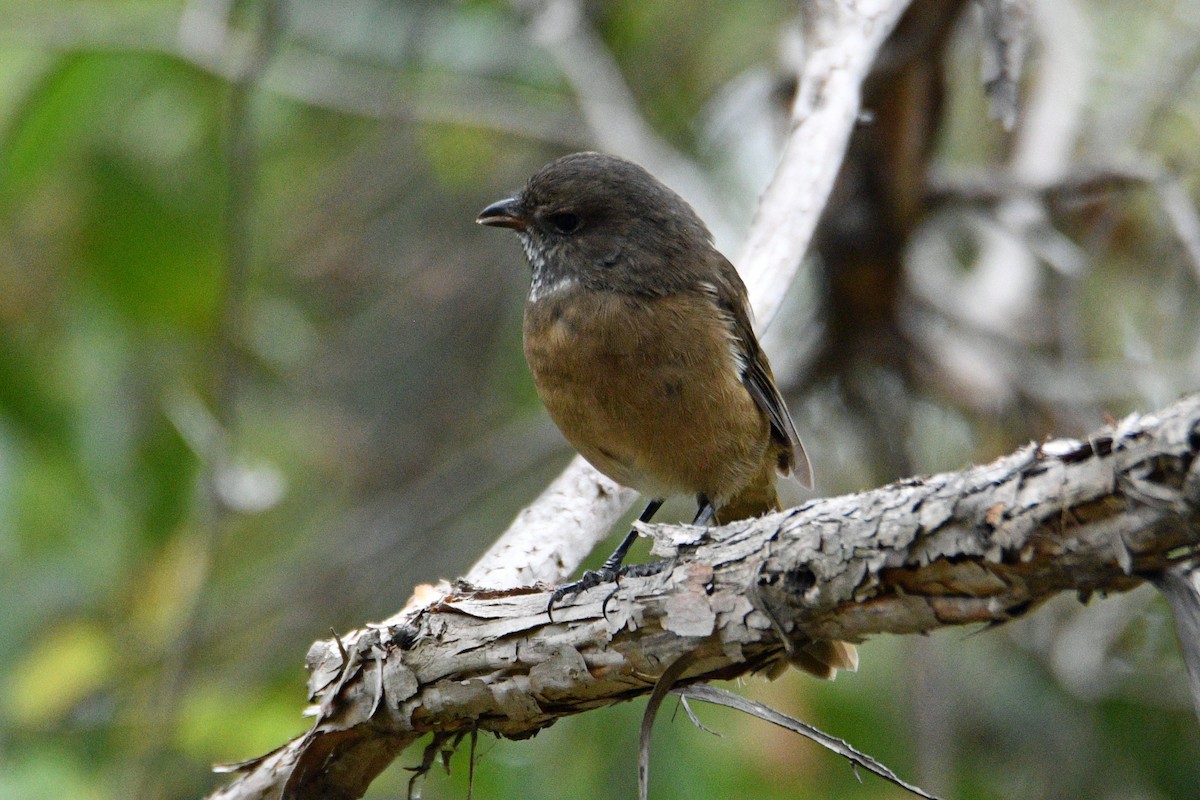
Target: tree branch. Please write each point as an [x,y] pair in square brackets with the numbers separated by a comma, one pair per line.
[983,545]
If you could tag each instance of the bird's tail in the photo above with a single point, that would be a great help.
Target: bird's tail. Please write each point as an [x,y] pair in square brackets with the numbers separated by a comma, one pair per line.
[821,659]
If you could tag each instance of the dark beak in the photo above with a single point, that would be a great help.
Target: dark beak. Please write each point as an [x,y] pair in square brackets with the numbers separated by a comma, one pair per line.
[504,214]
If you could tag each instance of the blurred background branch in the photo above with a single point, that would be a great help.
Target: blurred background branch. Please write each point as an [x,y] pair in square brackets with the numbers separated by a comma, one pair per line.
[225,487]
[384,430]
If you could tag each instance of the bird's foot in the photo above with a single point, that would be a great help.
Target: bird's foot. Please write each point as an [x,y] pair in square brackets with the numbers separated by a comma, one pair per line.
[588,580]
[596,577]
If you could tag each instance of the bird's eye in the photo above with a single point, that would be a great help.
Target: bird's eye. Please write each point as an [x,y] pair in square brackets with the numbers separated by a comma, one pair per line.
[563,221]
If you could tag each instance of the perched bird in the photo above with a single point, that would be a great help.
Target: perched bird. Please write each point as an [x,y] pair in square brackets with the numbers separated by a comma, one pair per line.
[638,334]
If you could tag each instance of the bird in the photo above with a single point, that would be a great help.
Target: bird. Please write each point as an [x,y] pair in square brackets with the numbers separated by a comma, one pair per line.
[638,334]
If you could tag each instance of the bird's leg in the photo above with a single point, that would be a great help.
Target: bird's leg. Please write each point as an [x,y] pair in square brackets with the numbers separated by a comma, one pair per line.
[613,562]
[704,515]
[611,567]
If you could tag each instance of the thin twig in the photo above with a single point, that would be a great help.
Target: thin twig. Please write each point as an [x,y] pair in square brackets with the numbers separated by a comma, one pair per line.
[666,682]
[857,758]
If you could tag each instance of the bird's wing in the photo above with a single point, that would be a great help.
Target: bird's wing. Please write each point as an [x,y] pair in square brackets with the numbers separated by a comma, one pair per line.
[732,300]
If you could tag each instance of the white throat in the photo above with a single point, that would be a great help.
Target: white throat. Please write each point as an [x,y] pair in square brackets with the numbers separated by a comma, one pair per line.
[545,281]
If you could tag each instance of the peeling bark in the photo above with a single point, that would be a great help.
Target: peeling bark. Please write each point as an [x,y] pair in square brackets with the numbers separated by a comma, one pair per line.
[983,545]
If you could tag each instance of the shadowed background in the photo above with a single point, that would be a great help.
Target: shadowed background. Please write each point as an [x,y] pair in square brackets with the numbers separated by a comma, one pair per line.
[260,373]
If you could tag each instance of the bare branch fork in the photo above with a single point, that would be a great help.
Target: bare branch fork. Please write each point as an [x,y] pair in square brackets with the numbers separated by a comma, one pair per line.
[983,545]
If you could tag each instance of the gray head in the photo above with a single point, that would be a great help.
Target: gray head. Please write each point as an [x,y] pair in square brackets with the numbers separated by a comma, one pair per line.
[605,223]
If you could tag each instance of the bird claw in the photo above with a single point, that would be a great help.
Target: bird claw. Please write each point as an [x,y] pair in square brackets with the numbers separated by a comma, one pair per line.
[588,580]
[595,577]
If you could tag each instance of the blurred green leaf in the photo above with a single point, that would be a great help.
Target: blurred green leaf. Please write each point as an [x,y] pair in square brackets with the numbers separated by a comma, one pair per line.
[268,717]
[66,664]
